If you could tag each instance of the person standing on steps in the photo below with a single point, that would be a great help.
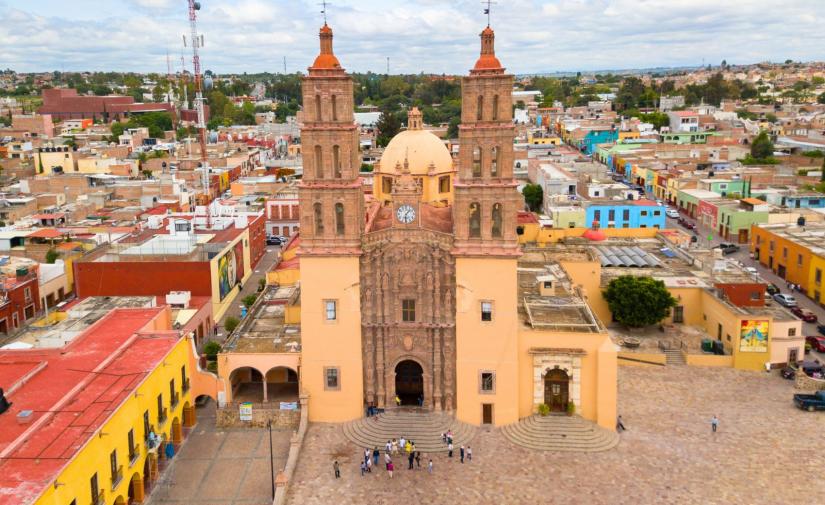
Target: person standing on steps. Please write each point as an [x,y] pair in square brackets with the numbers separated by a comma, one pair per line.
[469,453]
[450,450]
[430,467]
[461,453]
[714,423]
[337,470]
[620,425]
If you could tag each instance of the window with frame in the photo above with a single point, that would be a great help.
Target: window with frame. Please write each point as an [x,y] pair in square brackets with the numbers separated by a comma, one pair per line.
[147,428]
[130,440]
[331,378]
[319,163]
[496,221]
[113,466]
[487,311]
[408,310]
[494,159]
[318,210]
[818,276]
[791,332]
[336,161]
[339,218]
[95,488]
[597,215]
[480,108]
[488,382]
[495,108]
[386,184]
[334,108]
[330,310]
[161,414]
[317,107]
[27,293]
[799,259]
[475,220]
[784,252]
[477,162]
[444,184]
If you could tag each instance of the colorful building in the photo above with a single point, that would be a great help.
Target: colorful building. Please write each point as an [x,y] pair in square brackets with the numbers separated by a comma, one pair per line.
[795,253]
[626,214]
[78,430]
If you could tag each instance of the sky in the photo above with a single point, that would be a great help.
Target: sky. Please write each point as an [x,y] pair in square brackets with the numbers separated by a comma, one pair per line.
[432,36]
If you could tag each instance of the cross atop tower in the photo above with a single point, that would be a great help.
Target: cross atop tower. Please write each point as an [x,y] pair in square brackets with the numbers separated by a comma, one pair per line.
[324,5]
[488,10]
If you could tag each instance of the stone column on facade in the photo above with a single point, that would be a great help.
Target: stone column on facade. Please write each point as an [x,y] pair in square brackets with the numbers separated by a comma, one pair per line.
[449,361]
[137,489]
[379,369]
[369,362]
[437,335]
[265,397]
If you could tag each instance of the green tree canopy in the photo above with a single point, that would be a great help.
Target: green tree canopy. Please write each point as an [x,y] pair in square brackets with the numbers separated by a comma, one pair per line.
[533,196]
[762,147]
[388,126]
[638,301]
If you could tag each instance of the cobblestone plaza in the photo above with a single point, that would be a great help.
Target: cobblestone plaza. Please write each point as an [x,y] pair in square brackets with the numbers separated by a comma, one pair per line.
[766,452]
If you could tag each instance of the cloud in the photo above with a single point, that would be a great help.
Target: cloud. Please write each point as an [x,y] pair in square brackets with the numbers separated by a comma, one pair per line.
[417,35]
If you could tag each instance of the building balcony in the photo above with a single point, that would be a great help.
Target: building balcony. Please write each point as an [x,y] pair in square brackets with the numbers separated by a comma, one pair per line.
[185,385]
[134,454]
[117,477]
[163,415]
[175,400]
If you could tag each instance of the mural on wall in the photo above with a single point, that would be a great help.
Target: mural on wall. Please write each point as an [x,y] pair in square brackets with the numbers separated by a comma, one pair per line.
[227,273]
[753,336]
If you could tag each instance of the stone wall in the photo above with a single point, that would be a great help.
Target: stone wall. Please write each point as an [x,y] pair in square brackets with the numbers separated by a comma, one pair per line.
[230,417]
[806,383]
[284,477]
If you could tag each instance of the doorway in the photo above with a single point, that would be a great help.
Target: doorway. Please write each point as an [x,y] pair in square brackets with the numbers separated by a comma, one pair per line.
[780,271]
[409,383]
[793,356]
[556,390]
[679,314]
[486,413]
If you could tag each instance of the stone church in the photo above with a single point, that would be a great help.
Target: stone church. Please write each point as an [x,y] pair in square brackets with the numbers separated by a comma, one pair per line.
[415,291]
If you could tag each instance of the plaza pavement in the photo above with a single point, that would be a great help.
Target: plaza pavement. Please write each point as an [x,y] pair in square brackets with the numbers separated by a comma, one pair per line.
[766,452]
[222,466]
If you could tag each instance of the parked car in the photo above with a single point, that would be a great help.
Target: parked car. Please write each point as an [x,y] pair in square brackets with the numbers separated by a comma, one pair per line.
[817,343]
[273,240]
[785,300]
[811,368]
[788,373]
[804,314]
[730,249]
[772,289]
[821,329]
[672,213]
[810,403]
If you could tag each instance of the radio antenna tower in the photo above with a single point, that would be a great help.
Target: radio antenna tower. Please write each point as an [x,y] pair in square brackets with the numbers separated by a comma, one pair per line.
[197,42]
[169,78]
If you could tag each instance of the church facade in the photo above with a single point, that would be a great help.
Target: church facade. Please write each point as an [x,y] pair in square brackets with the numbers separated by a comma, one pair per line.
[415,292]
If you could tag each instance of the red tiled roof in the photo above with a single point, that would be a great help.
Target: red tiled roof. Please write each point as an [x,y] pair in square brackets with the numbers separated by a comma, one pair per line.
[57,215]
[72,392]
[526,218]
[45,233]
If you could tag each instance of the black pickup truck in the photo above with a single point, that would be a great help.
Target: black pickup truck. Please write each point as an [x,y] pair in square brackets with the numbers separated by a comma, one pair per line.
[810,403]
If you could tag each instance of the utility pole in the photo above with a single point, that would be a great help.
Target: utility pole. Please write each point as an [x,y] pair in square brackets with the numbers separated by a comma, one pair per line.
[197,41]
[388,65]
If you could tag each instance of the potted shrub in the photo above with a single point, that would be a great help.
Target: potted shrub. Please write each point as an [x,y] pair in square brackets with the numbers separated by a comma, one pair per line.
[571,408]
[261,284]
[544,409]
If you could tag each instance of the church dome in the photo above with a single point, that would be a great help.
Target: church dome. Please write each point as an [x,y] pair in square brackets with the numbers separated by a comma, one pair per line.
[419,147]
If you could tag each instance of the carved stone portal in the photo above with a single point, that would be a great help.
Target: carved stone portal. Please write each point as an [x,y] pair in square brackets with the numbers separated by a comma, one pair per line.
[407,295]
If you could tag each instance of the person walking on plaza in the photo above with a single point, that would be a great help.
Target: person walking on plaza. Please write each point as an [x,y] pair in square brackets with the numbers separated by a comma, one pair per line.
[449,436]
[410,460]
[389,447]
[418,459]
[430,467]
[461,452]
[620,425]
[714,423]
[402,443]
[450,450]
[363,468]
[394,450]
[369,465]
[408,447]
[469,453]
[387,458]
[390,468]
[375,454]
[366,454]
[337,470]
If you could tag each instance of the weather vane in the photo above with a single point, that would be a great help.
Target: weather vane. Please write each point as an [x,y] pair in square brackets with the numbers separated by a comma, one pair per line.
[488,9]
[324,5]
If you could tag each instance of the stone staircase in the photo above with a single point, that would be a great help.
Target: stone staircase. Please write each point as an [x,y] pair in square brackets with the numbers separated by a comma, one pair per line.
[560,433]
[674,357]
[423,428]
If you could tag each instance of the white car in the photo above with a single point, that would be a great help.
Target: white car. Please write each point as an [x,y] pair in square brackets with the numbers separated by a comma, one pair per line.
[672,213]
[785,300]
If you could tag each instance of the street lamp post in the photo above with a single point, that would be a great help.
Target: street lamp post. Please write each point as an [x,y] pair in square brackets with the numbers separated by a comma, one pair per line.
[271,462]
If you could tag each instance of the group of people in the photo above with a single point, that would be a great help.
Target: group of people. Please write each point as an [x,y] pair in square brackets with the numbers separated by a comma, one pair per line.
[447,438]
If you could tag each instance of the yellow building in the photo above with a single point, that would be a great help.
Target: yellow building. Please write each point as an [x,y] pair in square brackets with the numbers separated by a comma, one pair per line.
[794,253]
[79,427]
[418,294]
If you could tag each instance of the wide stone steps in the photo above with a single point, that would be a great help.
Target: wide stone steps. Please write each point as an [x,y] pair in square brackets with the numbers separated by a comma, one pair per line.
[424,429]
[674,357]
[560,433]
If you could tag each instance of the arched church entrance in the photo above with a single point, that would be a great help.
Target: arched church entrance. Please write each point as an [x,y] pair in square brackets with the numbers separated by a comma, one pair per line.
[409,382]
[556,389]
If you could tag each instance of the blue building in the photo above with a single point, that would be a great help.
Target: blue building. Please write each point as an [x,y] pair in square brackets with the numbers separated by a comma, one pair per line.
[804,201]
[626,214]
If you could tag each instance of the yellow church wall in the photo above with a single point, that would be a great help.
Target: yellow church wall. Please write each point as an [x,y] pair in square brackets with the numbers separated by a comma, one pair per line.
[691,300]
[719,315]
[331,344]
[288,277]
[430,187]
[486,346]
[534,233]
[598,372]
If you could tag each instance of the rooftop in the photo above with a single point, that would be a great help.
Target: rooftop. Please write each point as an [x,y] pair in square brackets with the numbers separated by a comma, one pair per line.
[71,392]
[810,236]
[265,329]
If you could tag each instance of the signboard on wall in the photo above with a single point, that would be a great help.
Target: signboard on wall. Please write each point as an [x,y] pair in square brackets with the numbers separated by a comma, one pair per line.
[753,336]
[227,273]
[245,411]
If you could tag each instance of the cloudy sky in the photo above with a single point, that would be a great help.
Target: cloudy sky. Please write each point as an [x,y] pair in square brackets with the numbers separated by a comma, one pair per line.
[418,35]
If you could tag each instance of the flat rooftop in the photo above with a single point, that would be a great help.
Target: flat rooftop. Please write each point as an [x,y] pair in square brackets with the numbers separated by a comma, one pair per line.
[265,329]
[560,307]
[810,236]
[71,392]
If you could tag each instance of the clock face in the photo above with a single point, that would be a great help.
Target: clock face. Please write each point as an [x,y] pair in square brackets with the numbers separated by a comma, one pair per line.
[405,214]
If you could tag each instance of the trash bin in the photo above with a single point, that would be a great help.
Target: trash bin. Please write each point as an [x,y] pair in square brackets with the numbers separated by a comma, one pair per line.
[707,345]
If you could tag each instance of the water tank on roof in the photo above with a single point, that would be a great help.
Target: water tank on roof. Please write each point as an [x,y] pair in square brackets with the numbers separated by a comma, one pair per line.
[22,271]
[800,221]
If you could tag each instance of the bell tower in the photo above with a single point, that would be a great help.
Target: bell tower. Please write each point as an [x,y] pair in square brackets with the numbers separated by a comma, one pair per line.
[332,223]
[330,192]
[486,199]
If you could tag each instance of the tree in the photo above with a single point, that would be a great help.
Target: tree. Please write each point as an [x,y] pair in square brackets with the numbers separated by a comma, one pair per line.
[762,147]
[211,350]
[822,175]
[52,255]
[821,98]
[231,323]
[638,301]
[533,196]
[388,126]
